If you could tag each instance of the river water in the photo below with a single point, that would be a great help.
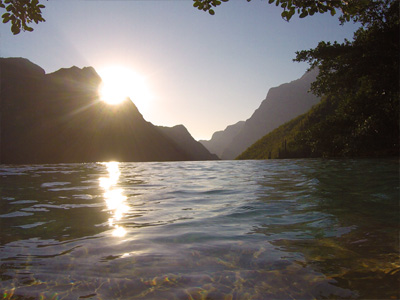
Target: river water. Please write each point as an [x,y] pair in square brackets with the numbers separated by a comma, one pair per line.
[276,229]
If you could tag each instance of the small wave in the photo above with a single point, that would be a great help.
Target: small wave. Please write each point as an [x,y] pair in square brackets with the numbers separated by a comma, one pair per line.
[51,184]
[16,214]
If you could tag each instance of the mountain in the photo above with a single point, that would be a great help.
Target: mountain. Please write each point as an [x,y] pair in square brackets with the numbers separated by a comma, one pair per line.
[181,136]
[281,104]
[221,139]
[58,117]
[358,115]
[338,119]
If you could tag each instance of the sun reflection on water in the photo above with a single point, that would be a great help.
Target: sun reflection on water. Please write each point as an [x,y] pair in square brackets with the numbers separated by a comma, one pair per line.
[115,200]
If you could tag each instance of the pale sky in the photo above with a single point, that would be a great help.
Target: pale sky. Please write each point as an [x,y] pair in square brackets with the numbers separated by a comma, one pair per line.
[205,72]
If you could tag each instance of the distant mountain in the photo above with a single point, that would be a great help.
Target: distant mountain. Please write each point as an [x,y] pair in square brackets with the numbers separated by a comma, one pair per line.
[181,136]
[325,131]
[282,104]
[220,140]
[57,117]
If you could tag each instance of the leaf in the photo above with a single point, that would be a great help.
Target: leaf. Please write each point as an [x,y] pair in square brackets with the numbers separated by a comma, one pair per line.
[6,17]
[290,14]
[323,9]
[303,14]
[15,29]
[211,12]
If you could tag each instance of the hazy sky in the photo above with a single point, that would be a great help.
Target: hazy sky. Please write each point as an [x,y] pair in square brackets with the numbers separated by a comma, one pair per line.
[203,71]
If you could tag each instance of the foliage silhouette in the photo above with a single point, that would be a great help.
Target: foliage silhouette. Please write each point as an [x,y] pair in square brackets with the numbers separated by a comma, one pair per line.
[350,10]
[359,80]
[21,13]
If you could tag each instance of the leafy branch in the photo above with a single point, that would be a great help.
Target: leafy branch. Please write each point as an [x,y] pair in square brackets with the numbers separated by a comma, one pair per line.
[349,9]
[21,13]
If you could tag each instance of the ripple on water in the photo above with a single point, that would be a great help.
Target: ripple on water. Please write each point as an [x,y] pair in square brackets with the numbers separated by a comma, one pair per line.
[288,229]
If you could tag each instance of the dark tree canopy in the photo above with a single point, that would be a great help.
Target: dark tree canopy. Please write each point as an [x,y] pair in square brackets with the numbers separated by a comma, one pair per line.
[373,54]
[359,84]
[21,13]
[349,9]
[361,79]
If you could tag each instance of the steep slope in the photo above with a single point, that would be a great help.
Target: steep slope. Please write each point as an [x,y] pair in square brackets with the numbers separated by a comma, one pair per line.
[282,104]
[181,136]
[326,131]
[221,139]
[275,144]
[58,118]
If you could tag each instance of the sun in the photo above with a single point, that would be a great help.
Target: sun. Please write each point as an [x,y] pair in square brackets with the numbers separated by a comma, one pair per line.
[120,83]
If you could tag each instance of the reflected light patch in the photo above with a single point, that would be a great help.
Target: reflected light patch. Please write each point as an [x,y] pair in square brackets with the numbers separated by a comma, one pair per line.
[115,200]
[119,231]
[114,197]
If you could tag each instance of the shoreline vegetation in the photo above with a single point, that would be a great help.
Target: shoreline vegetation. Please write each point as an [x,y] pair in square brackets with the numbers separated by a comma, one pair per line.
[316,134]
[358,83]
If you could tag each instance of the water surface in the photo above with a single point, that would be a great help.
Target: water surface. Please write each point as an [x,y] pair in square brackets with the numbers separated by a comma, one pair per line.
[277,229]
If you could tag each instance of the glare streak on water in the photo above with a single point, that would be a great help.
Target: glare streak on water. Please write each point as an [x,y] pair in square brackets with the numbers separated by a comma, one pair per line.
[278,229]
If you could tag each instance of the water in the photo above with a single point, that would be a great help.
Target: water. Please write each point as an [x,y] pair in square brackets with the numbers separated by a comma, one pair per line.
[277,229]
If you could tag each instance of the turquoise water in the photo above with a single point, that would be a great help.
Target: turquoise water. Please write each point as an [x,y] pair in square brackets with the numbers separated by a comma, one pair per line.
[277,229]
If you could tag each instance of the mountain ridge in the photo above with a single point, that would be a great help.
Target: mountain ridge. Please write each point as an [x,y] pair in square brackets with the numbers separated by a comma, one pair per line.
[59,118]
[180,135]
[281,104]
[221,139]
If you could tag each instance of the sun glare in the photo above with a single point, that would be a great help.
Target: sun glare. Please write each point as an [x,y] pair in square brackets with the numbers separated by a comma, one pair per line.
[120,83]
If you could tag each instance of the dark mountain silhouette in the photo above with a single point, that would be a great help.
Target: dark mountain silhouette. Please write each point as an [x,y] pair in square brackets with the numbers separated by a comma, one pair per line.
[181,136]
[282,104]
[220,140]
[57,117]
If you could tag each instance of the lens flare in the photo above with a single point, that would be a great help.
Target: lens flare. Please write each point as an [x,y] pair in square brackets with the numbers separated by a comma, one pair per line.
[120,83]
